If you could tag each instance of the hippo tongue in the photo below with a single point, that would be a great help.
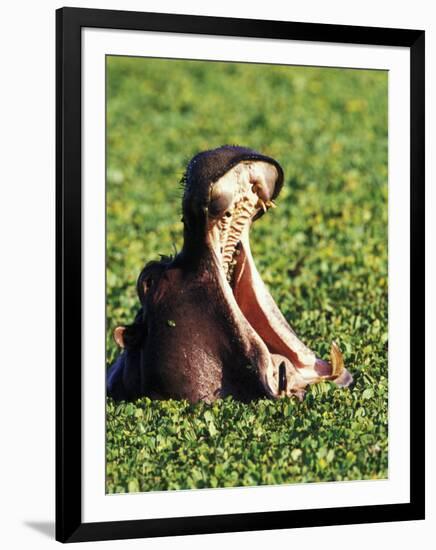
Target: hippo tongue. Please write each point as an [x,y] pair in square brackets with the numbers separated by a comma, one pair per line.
[260,310]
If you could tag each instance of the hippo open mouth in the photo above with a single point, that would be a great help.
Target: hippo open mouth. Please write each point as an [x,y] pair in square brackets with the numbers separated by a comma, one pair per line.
[208,327]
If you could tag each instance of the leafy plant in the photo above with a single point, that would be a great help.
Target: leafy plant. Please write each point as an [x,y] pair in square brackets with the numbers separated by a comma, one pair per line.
[323,254]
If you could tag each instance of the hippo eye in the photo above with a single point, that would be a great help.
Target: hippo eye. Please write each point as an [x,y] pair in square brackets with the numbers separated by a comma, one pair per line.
[218,206]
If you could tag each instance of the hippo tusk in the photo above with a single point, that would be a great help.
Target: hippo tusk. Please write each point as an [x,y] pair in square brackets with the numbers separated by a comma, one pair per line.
[337,360]
[261,204]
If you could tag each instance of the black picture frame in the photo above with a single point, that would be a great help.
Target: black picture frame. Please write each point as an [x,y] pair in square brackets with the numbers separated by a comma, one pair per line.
[69,22]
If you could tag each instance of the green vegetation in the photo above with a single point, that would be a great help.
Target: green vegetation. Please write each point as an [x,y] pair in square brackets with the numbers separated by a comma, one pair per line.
[322,252]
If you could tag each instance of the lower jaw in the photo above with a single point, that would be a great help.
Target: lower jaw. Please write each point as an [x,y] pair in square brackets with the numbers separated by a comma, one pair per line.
[264,316]
[255,306]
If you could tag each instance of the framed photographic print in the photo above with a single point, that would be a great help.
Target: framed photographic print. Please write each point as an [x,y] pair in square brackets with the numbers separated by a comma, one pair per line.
[240,274]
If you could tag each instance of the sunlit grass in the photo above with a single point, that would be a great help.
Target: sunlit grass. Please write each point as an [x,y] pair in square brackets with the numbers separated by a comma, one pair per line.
[328,130]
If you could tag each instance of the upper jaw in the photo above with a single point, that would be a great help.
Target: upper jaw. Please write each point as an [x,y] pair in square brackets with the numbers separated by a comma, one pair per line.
[238,198]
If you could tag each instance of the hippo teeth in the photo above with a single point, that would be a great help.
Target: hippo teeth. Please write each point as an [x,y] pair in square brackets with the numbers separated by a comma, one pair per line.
[337,360]
[243,200]
[232,229]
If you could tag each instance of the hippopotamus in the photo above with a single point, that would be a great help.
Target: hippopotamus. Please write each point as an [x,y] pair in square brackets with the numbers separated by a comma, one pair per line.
[207,326]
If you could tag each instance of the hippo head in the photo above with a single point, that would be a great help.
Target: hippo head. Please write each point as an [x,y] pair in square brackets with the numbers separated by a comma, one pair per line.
[208,327]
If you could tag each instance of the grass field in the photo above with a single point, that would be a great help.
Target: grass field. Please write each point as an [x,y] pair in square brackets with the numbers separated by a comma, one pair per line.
[322,252]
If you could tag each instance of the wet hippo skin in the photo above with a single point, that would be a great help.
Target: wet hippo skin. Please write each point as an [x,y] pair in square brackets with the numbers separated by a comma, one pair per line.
[207,326]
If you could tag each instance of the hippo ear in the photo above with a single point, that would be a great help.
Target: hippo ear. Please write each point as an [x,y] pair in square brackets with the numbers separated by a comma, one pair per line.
[119,336]
[132,336]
